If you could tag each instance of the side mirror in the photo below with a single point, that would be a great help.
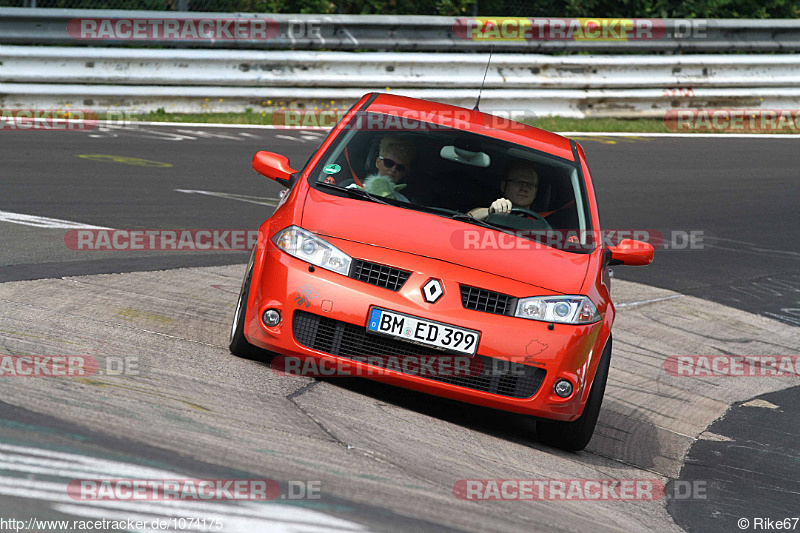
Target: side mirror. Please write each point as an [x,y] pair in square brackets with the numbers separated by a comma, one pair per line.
[274,166]
[631,253]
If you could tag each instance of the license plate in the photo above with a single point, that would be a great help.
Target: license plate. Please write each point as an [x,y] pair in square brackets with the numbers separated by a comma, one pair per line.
[423,331]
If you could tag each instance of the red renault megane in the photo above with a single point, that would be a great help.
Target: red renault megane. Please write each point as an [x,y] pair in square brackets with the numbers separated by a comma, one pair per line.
[443,250]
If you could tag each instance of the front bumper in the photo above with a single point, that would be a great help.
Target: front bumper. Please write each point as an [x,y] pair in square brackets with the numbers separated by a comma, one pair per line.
[526,347]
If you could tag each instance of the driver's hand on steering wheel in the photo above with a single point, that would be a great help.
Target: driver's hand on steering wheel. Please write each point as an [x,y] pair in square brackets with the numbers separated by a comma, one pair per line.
[501,205]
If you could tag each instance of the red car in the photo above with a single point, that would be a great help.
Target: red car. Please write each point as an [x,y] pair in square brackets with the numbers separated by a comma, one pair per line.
[443,250]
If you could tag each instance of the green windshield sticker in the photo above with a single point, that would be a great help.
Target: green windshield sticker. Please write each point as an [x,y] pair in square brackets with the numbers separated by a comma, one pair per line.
[332,169]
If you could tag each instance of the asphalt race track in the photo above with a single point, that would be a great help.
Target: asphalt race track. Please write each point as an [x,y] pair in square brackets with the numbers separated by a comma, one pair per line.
[169,401]
[737,196]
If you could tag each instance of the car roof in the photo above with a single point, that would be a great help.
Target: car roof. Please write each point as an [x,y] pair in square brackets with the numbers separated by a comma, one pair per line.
[474,121]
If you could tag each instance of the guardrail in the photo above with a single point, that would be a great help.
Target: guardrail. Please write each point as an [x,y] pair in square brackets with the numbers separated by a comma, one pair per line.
[141,80]
[413,33]
[246,68]
[143,67]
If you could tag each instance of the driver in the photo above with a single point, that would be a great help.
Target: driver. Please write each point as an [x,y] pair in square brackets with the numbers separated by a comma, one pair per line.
[519,187]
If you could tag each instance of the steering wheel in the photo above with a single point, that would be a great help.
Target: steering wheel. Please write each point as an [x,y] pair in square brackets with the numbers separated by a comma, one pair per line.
[521,211]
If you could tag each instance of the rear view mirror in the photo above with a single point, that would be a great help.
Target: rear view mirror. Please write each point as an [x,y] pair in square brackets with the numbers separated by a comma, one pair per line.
[467,157]
[631,253]
[274,166]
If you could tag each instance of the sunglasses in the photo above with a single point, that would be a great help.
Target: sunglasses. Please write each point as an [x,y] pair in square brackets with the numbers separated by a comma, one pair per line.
[389,163]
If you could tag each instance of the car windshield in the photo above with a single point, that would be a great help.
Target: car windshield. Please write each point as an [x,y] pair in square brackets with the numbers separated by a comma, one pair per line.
[461,175]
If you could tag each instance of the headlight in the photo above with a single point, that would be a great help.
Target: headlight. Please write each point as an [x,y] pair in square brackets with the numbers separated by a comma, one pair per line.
[563,309]
[305,245]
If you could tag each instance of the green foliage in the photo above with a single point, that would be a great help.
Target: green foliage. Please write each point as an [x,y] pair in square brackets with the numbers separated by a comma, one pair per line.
[517,8]
[405,7]
[642,8]
[508,8]
[150,5]
[372,7]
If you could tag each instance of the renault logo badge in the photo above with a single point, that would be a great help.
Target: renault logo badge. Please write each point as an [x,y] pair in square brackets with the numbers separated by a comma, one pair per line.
[432,290]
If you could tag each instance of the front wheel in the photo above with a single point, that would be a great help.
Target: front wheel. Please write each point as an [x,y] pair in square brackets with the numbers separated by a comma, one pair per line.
[239,345]
[575,436]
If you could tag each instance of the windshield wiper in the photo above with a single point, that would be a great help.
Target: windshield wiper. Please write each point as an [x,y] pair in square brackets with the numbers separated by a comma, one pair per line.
[355,191]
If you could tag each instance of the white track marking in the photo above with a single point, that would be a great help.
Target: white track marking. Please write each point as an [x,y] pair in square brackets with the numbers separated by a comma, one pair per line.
[50,468]
[118,124]
[565,133]
[56,492]
[754,247]
[19,462]
[32,455]
[44,222]
[260,200]
[642,302]
[235,516]
[143,133]
[207,135]
[290,138]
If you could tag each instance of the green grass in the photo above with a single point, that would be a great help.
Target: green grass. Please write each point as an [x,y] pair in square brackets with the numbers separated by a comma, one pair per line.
[639,125]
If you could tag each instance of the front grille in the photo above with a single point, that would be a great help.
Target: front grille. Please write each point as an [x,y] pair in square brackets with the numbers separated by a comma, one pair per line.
[487,301]
[343,339]
[381,275]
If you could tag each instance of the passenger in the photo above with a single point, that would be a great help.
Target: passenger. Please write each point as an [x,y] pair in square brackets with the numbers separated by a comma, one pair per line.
[394,164]
[519,187]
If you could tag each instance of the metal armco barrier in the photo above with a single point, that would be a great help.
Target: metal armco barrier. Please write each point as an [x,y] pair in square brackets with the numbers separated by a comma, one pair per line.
[140,80]
[181,70]
[246,68]
[409,33]
[514,104]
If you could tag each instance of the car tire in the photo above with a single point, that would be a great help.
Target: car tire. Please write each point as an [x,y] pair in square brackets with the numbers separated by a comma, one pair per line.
[239,345]
[575,436]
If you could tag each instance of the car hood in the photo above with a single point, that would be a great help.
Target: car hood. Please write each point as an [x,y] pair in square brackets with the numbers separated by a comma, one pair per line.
[438,237]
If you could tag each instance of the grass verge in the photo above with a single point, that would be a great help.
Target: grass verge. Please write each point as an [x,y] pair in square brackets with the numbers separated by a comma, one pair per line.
[634,125]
